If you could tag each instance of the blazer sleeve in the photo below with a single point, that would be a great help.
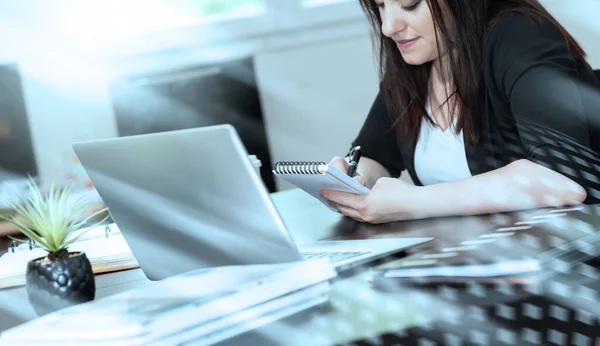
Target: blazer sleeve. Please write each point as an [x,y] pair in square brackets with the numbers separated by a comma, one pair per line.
[378,139]
[553,98]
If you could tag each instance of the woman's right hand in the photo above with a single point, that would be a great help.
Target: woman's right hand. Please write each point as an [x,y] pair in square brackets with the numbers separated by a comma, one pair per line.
[342,165]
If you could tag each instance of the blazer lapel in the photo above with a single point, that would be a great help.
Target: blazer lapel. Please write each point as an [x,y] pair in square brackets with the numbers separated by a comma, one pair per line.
[481,157]
[408,156]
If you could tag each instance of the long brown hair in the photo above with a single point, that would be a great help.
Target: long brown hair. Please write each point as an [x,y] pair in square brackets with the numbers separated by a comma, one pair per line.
[404,87]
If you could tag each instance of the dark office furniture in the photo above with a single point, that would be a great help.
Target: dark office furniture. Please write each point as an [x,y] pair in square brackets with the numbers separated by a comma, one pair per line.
[194,97]
[16,150]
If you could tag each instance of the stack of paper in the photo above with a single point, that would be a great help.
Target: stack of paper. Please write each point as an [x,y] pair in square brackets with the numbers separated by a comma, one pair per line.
[204,306]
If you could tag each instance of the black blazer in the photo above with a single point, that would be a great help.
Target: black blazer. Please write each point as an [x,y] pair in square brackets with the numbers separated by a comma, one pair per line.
[539,102]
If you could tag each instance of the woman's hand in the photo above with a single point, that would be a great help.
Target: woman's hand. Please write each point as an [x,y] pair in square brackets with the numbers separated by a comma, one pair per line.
[390,200]
[342,165]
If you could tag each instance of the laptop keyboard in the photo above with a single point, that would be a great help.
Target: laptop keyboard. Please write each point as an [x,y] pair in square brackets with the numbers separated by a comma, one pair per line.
[333,256]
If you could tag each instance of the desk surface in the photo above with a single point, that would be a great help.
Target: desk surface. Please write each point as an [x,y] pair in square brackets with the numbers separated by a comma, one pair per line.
[357,311]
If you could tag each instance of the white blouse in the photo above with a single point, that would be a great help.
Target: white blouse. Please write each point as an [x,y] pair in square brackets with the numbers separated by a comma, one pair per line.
[440,155]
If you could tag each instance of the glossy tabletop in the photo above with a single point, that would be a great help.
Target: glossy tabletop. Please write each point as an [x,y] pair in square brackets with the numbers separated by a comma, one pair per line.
[470,314]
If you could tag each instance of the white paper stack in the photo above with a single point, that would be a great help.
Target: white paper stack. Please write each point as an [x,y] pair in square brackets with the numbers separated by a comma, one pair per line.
[204,306]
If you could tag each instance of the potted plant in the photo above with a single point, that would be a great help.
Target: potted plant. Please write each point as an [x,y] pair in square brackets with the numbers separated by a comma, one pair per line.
[61,278]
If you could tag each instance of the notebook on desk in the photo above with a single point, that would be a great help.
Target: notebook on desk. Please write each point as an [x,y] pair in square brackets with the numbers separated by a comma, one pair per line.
[312,177]
[103,245]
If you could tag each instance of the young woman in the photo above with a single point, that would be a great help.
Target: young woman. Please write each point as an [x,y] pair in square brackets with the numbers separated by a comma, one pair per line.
[489,105]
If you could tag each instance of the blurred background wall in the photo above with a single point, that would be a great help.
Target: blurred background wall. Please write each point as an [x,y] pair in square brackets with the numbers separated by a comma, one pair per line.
[296,77]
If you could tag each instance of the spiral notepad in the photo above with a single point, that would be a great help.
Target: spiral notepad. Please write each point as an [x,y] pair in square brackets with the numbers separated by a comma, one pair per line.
[313,177]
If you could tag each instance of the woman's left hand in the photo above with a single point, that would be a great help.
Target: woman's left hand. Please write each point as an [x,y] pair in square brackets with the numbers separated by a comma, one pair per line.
[390,200]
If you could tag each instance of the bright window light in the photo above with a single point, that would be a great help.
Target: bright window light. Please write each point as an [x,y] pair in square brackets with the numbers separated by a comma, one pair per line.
[234,8]
[315,3]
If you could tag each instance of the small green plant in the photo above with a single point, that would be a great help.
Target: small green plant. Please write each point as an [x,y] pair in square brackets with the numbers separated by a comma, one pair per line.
[50,221]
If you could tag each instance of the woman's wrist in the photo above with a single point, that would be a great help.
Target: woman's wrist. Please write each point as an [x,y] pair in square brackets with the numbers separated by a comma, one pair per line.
[422,201]
[412,203]
[434,201]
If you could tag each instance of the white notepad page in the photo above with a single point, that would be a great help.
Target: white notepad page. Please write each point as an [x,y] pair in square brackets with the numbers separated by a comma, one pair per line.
[329,178]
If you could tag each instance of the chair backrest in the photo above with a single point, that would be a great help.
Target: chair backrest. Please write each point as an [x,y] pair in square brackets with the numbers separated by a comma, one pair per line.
[597,73]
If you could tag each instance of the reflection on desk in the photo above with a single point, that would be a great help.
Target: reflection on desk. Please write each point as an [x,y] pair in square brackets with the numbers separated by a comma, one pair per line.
[418,315]
[206,306]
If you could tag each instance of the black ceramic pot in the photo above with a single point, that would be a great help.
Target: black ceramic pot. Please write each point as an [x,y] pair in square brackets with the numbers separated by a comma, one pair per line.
[54,285]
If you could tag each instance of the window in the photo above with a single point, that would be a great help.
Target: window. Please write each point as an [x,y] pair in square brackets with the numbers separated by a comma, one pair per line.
[224,9]
[324,12]
[151,25]
[315,3]
[121,28]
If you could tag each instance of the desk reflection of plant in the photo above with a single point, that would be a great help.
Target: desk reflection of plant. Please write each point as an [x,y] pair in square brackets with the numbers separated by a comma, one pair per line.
[61,278]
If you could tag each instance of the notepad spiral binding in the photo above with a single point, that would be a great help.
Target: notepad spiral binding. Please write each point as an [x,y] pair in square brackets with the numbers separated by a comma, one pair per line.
[298,167]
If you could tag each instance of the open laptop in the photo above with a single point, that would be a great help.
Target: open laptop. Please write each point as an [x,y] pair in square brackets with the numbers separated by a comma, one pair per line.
[191,199]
